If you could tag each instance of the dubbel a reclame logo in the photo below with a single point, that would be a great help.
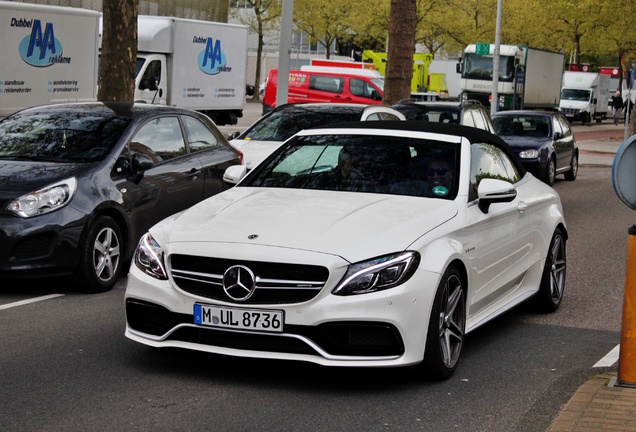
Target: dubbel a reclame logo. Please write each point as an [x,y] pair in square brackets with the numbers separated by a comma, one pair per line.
[40,48]
[212,59]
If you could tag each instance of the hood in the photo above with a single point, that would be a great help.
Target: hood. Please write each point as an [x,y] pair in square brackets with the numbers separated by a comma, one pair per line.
[19,177]
[255,151]
[355,226]
[517,143]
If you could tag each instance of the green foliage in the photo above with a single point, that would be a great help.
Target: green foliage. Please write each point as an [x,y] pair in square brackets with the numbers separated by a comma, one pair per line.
[585,30]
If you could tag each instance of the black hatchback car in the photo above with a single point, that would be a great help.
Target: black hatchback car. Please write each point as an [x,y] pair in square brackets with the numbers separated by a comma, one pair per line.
[81,182]
[542,140]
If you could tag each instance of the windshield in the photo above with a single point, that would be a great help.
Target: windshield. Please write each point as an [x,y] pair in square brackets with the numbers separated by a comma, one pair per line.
[575,95]
[77,136]
[526,126]
[378,82]
[140,63]
[480,67]
[363,163]
[441,114]
[281,125]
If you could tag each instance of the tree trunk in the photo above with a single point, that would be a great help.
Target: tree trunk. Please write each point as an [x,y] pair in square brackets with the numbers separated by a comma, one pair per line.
[401,47]
[117,64]
[257,78]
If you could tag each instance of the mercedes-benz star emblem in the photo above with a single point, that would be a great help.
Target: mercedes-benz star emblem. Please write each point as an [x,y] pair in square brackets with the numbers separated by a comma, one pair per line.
[239,283]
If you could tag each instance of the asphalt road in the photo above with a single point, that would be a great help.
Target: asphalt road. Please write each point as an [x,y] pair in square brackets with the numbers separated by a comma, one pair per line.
[65,364]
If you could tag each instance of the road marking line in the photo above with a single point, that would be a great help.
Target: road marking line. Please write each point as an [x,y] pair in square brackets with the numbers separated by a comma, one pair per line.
[610,358]
[33,300]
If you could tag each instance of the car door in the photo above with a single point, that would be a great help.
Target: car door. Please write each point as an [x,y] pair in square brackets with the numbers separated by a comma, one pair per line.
[362,91]
[504,236]
[563,142]
[174,182]
[205,142]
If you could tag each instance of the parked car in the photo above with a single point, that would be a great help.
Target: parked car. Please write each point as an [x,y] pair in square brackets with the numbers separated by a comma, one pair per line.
[81,182]
[542,140]
[467,113]
[271,130]
[344,248]
[327,84]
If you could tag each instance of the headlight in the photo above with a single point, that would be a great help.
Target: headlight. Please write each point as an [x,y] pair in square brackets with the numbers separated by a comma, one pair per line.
[149,257]
[529,154]
[44,200]
[378,274]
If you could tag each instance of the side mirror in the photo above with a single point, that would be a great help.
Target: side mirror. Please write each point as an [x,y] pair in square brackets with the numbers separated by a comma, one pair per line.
[234,174]
[233,135]
[558,136]
[375,95]
[458,67]
[141,162]
[492,191]
[148,84]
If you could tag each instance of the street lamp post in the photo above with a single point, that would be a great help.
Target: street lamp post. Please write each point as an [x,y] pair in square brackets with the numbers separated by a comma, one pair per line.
[494,102]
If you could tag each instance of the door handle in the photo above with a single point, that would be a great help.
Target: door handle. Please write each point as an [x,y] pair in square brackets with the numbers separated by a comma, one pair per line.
[522,207]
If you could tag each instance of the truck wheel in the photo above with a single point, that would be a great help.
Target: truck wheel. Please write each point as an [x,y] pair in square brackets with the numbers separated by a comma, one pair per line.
[100,260]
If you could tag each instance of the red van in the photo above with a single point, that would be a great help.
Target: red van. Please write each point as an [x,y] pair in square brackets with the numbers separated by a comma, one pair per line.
[327,84]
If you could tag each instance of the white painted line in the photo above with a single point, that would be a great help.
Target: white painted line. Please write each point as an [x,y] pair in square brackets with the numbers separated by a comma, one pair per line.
[33,300]
[610,358]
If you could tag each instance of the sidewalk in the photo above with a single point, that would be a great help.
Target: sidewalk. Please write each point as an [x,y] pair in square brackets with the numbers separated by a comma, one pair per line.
[598,405]
[598,152]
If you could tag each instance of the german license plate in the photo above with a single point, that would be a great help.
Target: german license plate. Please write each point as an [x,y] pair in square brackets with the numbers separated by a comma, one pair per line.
[245,319]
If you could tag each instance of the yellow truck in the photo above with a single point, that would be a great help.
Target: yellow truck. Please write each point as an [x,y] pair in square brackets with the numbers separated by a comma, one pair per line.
[423,82]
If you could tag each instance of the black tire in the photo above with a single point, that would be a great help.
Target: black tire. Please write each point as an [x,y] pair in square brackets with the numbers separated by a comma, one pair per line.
[100,252]
[574,169]
[550,172]
[446,328]
[550,294]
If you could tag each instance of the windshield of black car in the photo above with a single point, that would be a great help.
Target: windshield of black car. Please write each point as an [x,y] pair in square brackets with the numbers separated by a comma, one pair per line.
[430,113]
[76,136]
[281,125]
[363,163]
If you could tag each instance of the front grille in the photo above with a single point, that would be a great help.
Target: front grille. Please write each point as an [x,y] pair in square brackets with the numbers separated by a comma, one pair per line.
[276,283]
[570,111]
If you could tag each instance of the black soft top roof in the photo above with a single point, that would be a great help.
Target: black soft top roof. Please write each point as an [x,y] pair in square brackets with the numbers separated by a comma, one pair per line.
[472,134]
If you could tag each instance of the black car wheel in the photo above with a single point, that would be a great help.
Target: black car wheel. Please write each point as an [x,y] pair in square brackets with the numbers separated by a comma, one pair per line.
[100,256]
[446,328]
[550,172]
[550,294]
[574,169]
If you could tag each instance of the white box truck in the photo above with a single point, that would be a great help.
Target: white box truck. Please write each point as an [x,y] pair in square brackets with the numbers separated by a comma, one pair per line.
[193,64]
[49,54]
[529,78]
[585,96]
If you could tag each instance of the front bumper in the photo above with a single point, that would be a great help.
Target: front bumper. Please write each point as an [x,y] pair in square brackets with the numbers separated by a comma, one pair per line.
[386,328]
[45,245]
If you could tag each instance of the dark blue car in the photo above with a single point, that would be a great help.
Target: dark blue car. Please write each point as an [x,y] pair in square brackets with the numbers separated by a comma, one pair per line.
[542,140]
